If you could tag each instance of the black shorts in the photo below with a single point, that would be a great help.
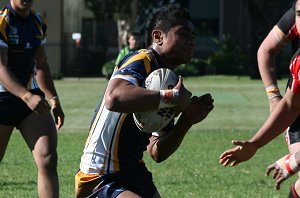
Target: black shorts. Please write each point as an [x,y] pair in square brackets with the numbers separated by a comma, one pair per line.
[293,132]
[13,109]
[139,181]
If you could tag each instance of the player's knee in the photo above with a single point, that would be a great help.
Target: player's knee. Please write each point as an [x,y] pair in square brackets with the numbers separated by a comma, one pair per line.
[47,161]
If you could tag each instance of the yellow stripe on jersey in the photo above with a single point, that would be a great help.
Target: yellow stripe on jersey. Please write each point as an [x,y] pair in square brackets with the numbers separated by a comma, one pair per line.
[3,23]
[141,56]
[40,29]
[116,149]
[95,120]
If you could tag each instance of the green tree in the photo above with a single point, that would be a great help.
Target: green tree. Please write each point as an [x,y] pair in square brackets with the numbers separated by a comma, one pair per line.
[128,14]
[260,17]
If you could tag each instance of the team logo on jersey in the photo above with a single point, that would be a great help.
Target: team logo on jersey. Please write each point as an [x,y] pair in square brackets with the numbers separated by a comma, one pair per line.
[28,46]
[13,37]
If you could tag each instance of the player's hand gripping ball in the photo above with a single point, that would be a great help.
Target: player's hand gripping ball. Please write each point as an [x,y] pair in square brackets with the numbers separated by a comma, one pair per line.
[153,121]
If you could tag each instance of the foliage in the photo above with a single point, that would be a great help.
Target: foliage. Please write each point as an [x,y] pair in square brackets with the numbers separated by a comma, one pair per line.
[134,12]
[57,75]
[194,68]
[104,9]
[260,17]
[108,68]
[228,59]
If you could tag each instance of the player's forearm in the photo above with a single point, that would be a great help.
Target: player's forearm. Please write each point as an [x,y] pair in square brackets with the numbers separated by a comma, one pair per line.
[282,117]
[10,82]
[45,81]
[267,67]
[266,54]
[166,145]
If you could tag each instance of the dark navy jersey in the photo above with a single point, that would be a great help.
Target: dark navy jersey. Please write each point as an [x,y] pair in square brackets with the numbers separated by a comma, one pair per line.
[21,36]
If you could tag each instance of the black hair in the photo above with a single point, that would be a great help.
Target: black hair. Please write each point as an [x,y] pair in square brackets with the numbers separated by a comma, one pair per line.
[164,19]
[135,34]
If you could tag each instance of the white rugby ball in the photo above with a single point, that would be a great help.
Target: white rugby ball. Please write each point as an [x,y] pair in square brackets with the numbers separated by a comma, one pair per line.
[153,121]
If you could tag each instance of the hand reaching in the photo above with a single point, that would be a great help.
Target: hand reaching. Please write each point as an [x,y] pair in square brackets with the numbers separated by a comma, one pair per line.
[198,109]
[283,169]
[243,151]
[184,96]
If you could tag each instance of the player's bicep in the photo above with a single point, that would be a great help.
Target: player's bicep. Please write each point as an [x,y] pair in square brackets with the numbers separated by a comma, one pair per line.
[274,42]
[3,56]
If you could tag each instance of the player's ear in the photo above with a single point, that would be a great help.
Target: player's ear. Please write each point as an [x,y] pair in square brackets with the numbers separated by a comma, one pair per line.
[157,37]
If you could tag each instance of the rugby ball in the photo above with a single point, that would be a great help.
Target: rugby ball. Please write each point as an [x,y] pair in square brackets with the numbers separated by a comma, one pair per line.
[153,121]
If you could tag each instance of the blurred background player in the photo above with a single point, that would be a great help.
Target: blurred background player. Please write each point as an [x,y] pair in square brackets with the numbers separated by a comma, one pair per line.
[282,116]
[25,79]
[283,32]
[133,44]
[112,161]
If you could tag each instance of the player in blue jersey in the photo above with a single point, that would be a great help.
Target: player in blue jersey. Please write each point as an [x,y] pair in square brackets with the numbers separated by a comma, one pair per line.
[25,80]
[112,162]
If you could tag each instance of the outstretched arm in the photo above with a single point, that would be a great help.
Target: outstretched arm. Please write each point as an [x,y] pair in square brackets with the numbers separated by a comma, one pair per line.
[282,116]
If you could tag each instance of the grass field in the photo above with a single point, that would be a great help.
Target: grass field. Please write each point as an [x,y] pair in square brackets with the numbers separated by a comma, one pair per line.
[192,172]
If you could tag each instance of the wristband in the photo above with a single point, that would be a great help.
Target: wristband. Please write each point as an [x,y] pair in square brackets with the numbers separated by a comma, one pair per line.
[168,98]
[26,96]
[273,92]
[288,165]
[54,100]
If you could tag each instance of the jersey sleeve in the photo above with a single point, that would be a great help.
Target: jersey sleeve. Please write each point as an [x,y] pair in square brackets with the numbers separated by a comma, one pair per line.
[42,25]
[134,68]
[287,21]
[4,28]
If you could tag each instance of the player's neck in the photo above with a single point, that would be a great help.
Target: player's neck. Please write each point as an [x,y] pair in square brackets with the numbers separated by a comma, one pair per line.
[21,12]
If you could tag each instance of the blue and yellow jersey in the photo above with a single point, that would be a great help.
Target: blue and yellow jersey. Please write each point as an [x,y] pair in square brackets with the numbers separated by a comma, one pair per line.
[21,36]
[114,142]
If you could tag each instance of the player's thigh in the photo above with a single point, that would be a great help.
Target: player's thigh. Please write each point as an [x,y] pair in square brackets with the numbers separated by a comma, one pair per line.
[157,195]
[5,133]
[128,194]
[39,132]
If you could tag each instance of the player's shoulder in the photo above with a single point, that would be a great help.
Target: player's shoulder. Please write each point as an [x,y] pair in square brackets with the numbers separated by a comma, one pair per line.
[143,56]
[287,21]
[4,17]
[39,18]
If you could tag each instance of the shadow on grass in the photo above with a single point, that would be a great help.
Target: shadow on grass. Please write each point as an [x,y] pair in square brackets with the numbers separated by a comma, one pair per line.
[17,185]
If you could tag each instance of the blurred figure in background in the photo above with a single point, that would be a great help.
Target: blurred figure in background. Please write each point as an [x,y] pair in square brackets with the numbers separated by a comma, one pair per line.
[133,44]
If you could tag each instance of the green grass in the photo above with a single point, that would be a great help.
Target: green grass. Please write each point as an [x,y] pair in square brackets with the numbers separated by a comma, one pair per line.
[192,172]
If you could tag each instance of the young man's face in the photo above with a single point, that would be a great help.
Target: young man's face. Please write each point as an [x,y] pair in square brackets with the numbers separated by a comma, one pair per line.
[22,4]
[179,42]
